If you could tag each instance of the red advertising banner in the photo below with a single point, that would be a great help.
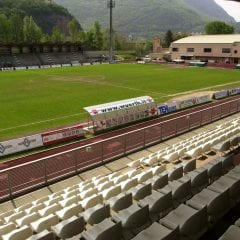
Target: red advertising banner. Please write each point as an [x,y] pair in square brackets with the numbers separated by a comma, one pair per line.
[63,134]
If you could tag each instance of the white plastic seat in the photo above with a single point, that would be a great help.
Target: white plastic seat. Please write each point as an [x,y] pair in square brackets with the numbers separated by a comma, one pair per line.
[53,200]
[69,201]
[7,228]
[100,181]
[69,211]
[87,186]
[40,200]
[35,208]
[105,185]
[44,235]
[91,201]
[120,201]
[44,223]
[6,214]
[88,193]
[120,179]
[111,192]
[23,207]
[113,175]
[71,193]
[18,234]
[14,216]
[50,209]
[158,169]
[133,173]
[126,185]
[171,157]
[27,219]
[144,176]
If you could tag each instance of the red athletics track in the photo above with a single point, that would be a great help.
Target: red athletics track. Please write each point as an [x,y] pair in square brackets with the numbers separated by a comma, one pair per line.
[105,136]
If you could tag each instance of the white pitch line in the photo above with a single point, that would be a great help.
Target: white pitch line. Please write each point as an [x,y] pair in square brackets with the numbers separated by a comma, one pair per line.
[39,122]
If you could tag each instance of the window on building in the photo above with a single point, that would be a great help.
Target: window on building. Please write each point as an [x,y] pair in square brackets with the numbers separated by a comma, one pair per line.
[190,49]
[226,50]
[207,50]
[175,49]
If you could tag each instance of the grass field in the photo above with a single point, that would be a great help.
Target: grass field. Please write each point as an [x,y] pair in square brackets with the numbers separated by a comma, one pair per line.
[36,100]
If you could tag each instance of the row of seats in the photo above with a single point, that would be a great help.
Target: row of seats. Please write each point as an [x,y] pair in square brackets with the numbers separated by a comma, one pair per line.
[221,139]
[124,214]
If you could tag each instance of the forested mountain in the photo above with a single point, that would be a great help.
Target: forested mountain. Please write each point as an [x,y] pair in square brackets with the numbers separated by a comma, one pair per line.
[148,17]
[44,14]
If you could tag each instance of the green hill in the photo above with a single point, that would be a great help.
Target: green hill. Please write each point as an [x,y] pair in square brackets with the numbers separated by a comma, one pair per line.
[148,17]
[46,15]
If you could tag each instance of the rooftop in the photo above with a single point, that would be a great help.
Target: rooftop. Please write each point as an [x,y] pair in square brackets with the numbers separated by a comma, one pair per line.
[221,38]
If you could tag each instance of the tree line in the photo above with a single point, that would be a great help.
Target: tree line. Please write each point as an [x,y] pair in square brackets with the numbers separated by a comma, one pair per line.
[17,30]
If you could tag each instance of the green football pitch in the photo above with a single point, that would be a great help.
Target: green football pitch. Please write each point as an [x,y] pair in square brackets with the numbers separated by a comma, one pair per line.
[37,100]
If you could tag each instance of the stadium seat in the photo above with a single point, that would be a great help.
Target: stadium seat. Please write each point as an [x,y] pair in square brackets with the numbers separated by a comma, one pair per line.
[96,214]
[27,219]
[14,216]
[18,234]
[158,181]
[133,219]
[35,208]
[120,179]
[88,193]
[52,201]
[199,179]
[189,165]
[69,201]
[232,233]
[6,228]
[192,223]
[105,185]
[69,228]
[127,184]
[140,191]
[23,207]
[91,201]
[160,204]
[106,230]
[158,232]
[158,169]
[175,173]
[144,176]
[50,209]
[133,173]
[69,211]
[181,190]
[214,170]
[87,186]
[217,203]
[111,192]
[44,235]
[226,183]
[120,201]
[44,223]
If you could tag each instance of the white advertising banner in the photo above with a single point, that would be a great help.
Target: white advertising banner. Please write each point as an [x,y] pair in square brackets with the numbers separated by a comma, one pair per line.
[20,144]
[221,94]
[203,99]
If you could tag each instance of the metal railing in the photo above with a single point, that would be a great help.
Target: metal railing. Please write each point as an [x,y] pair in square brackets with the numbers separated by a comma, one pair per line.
[28,176]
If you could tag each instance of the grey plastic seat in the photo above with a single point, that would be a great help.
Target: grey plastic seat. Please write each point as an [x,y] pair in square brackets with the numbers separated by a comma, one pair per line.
[106,230]
[160,204]
[175,173]
[158,181]
[96,214]
[120,201]
[232,233]
[140,191]
[222,147]
[181,190]
[226,183]
[234,142]
[192,223]
[158,232]
[217,203]
[189,165]
[69,228]
[133,219]
[214,170]
[44,235]
[199,179]
[237,223]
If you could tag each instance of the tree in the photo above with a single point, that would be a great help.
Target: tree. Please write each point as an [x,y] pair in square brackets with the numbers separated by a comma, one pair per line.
[168,38]
[4,29]
[97,36]
[218,27]
[57,36]
[73,30]
[31,31]
[16,28]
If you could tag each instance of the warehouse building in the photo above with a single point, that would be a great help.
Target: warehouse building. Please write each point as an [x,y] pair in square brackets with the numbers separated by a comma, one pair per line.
[208,48]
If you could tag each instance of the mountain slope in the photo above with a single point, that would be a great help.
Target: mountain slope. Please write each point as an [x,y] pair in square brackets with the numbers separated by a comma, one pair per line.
[46,15]
[147,17]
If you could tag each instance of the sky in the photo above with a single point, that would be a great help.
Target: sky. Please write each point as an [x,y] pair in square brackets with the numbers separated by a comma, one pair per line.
[232,8]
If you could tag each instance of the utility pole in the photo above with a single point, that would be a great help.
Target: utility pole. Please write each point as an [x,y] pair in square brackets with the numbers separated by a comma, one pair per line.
[111,5]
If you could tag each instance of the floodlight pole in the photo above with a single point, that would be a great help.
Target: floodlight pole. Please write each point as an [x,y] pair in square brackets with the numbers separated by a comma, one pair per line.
[111,5]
